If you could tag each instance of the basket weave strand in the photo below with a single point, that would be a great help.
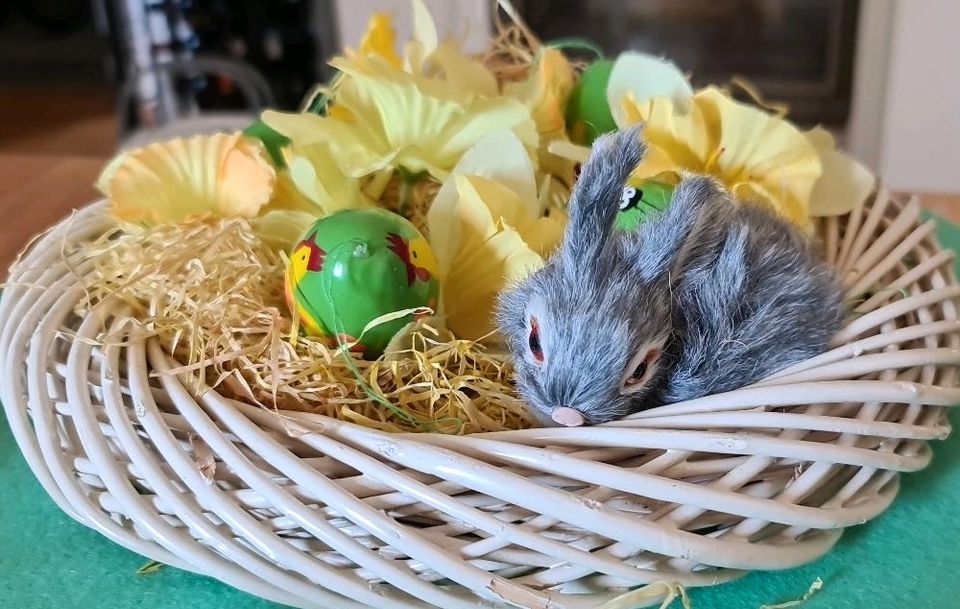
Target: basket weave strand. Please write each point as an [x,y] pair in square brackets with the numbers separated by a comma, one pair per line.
[310,511]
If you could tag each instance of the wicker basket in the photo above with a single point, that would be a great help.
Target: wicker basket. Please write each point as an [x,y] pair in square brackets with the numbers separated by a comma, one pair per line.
[313,512]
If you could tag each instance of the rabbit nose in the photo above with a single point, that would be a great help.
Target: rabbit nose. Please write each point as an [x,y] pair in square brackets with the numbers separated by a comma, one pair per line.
[566,416]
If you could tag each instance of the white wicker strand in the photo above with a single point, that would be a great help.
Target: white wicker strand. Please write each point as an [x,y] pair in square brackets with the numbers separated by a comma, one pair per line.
[244,524]
[278,583]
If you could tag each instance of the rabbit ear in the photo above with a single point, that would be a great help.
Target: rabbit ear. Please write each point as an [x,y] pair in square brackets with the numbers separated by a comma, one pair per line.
[695,218]
[596,196]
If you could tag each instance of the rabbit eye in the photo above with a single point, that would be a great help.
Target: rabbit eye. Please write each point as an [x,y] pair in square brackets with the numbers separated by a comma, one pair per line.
[533,341]
[638,370]
[638,373]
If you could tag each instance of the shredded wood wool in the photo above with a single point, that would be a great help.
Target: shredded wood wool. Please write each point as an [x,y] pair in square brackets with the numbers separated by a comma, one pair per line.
[212,294]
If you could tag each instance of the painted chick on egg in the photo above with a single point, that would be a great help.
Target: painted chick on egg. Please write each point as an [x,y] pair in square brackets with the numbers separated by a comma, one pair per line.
[355,266]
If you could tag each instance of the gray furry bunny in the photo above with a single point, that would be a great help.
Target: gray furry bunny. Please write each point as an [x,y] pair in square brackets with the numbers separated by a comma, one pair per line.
[708,296]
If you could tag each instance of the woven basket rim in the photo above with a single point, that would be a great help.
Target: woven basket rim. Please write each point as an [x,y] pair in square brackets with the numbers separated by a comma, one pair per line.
[508,517]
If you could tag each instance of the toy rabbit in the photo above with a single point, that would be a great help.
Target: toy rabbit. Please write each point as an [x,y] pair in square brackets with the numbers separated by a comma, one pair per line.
[708,296]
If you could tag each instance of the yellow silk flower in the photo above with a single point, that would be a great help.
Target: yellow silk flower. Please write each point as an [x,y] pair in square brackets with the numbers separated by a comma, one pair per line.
[317,181]
[487,228]
[757,156]
[421,116]
[545,92]
[845,183]
[384,117]
[380,39]
[169,182]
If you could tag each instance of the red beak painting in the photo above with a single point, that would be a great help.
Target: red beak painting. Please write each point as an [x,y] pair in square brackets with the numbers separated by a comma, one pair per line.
[401,247]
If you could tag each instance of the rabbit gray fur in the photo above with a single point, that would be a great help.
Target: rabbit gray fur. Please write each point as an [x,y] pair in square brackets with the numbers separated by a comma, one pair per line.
[720,294]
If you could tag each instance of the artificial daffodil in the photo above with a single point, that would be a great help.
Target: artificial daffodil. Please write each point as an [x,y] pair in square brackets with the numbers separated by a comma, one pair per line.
[317,179]
[757,155]
[382,117]
[487,227]
[220,175]
[380,39]
[422,117]
[546,91]
[844,184]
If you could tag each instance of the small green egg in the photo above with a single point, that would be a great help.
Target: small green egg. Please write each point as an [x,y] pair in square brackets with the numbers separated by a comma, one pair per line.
[641,202]
[588,111]
[354,266]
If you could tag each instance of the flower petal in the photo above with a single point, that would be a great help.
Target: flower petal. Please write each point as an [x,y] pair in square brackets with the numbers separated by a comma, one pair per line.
[546,92]
[463,72]
[644,76]
[317,176]
[471,291]
[756,155]
[392,118]
[501,157]
[282,228]
[380,39]
[169,182]
[845,183]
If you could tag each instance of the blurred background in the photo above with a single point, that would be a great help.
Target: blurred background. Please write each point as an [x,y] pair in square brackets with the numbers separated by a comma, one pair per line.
[80,78]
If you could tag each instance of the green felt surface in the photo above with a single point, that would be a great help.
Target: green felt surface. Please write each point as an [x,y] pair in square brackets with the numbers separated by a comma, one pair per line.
[907,558]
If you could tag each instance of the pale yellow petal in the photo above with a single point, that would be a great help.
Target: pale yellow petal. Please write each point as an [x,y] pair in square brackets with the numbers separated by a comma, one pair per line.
[106,175]
[478,222]
[544,235]
[480,274]
[503,203]
[545,92]
[245,179]
[315,172]
[758,147]
[845,183]
[756,155]
[172,181]
[358,150]
[643,77]
[501,157]
[463,72]
[569,150]
[425,39]
[282,228]
[403,122]
[287,197]
[688,135]
[443,224]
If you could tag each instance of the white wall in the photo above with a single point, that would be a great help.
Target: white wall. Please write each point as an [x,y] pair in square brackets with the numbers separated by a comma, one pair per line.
[467,20]
[906,109]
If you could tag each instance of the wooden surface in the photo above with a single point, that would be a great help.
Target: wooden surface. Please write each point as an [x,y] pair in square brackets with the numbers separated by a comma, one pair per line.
[57,120]
[53,142]
[38,189]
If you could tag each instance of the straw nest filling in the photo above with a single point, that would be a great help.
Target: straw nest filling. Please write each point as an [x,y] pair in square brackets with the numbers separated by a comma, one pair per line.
[212,293]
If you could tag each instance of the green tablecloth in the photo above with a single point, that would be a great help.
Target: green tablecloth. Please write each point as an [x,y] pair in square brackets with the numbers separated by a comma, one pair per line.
[909,557]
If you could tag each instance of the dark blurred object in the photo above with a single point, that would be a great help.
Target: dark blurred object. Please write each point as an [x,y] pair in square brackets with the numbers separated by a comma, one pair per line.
[49,42]
[795,51]
[283,39]
[179,60]
[56,16]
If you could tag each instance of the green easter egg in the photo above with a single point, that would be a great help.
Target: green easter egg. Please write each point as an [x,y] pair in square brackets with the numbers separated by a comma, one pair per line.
[642,202]
[588,111]
[356,265]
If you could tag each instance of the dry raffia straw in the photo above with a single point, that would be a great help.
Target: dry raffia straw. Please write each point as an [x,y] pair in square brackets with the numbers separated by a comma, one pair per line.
[668,591]
[212,292]
[813,589]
